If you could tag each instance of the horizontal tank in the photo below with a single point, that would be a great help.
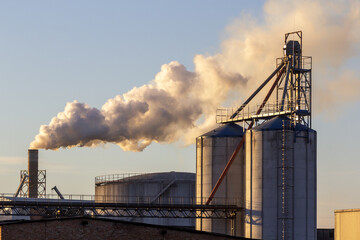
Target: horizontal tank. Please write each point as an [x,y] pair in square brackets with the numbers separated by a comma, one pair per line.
[280,181]
[213,151]
[156,188]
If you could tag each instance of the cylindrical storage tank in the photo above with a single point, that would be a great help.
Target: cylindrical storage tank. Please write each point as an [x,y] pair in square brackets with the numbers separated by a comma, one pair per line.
[213,151]
[33,173]
[280,181]
[151,188]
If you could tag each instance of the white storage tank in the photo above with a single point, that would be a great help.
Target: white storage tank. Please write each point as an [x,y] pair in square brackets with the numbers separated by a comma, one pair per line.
[213,151]
[156,188]
[280,181]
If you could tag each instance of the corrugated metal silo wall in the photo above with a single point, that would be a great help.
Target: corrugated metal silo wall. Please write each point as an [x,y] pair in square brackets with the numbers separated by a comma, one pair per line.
[212,154]
[265,151]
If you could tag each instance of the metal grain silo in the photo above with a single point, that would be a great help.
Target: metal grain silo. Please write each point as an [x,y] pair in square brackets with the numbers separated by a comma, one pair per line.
[213,151]
[280,181]
[156,188]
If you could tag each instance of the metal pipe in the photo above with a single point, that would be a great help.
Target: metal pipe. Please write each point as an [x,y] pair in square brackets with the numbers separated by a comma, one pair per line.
[33,169]
[226,169]
[257,90]
[58,192]
[285,87]
[25,176]
[270,91]
[233,156]
[162,191]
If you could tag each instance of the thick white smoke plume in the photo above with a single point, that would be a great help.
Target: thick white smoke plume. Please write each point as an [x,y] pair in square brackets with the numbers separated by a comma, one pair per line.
[161,111]
[171,105]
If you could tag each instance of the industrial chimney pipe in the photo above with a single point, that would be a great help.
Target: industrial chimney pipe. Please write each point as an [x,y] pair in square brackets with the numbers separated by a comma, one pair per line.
[33,155]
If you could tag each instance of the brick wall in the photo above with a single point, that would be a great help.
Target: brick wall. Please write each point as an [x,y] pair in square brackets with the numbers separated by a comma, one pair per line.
[96,229]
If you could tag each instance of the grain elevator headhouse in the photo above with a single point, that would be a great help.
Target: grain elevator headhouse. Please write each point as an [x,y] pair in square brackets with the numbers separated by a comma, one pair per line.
[269,170]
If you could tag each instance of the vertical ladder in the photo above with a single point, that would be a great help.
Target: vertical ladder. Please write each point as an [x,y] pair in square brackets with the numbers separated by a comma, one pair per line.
[284,209]
[286,183]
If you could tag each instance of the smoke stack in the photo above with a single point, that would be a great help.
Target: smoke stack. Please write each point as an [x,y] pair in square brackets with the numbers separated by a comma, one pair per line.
[33,172]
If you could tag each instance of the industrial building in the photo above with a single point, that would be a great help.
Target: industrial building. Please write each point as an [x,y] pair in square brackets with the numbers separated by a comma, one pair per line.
[96,229]
[266,166]
[255,174]
[347,222]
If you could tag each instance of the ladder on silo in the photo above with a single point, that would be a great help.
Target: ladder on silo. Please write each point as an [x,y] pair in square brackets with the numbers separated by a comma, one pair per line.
[286,183]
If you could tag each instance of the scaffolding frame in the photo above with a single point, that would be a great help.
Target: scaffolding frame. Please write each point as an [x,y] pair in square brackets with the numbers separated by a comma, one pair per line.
[24,190]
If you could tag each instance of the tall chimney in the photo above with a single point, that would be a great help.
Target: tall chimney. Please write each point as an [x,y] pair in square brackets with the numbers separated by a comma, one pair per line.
[33,172]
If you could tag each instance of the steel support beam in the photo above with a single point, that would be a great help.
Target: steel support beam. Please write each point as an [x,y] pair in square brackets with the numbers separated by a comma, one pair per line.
[239,146]
[70,209]
[257,91]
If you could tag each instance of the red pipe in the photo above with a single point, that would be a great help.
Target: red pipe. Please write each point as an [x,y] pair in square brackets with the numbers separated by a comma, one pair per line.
[239,146]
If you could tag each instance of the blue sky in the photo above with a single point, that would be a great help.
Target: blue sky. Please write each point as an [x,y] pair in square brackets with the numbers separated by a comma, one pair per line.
[53,52]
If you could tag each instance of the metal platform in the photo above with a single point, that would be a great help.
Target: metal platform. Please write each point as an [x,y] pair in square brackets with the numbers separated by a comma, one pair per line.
[71,208]
[270,110]
[223,116]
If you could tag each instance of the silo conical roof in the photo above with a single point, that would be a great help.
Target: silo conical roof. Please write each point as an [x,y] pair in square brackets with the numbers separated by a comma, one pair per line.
[226,130]
[277,123]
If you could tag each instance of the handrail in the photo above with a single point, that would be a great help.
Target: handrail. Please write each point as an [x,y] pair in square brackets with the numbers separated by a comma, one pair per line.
[122,199]
[270,109]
